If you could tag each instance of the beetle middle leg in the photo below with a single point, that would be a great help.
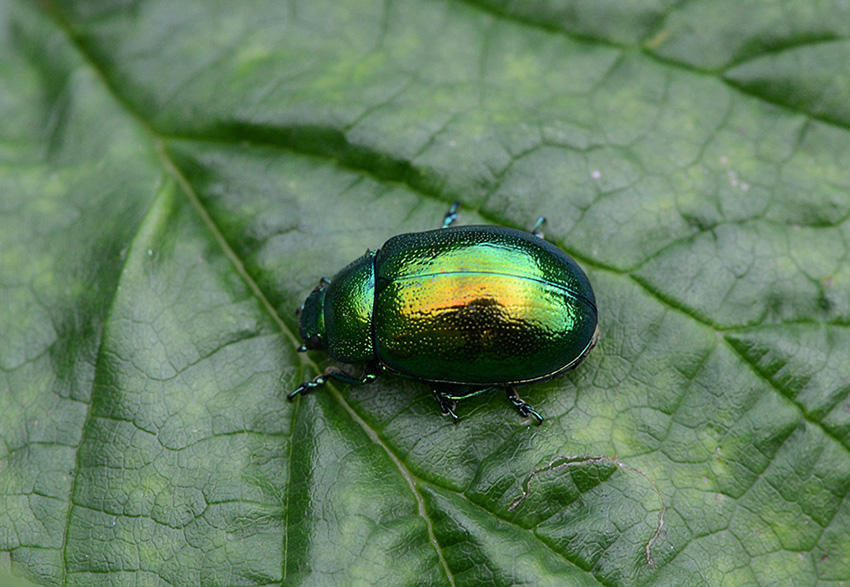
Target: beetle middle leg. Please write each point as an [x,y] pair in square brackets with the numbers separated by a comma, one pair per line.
[337,375]
[523,408]
[447,405]
[451,215]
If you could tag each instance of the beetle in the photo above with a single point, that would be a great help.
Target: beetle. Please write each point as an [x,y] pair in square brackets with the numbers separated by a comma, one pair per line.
[468,309]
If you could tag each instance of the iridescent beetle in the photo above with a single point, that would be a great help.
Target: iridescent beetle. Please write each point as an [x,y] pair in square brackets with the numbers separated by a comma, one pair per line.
[469,310]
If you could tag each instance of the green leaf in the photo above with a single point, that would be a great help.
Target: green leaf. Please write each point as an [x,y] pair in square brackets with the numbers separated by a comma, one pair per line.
[175,177]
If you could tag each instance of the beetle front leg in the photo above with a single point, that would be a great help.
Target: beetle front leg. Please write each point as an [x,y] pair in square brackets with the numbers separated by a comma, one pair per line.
[308,386]
[338,375]
[447,406]
[523,408]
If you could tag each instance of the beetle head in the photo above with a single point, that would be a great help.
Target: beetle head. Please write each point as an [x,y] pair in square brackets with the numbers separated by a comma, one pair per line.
[311,320]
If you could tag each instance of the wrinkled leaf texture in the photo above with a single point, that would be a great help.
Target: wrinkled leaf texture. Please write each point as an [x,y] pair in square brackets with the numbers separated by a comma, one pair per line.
[176,176]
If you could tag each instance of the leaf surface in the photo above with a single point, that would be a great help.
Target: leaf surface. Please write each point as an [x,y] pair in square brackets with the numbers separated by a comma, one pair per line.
[176,177]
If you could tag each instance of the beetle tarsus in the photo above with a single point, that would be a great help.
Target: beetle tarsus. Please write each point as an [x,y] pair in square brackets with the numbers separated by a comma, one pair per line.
[448,409]
[447,406]
[308,386]
[523,408]
[537,225]
[451,215]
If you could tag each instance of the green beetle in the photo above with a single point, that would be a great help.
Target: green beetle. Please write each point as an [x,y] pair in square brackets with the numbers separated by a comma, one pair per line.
[470,310]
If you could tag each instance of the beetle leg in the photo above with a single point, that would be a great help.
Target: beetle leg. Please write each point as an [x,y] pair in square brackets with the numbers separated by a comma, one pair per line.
[538,224]
[369,375]
[308,386]
[447,406]
[338,375]
[451,215]
[523,408]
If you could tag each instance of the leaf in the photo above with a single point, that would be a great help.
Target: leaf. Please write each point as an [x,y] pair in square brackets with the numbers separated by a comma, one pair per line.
[176,177]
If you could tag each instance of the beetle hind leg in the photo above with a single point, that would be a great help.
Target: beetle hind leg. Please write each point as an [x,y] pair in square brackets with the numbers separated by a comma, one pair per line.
[523,408]
[536,228]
